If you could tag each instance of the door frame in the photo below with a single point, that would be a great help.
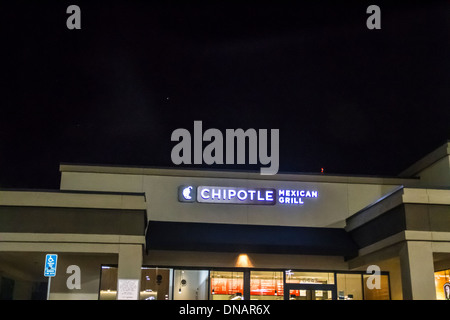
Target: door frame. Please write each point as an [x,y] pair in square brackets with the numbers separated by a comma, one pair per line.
[310,286]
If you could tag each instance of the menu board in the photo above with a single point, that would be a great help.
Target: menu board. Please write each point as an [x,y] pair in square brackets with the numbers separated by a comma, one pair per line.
[266,287]
[227,285]
[259,287]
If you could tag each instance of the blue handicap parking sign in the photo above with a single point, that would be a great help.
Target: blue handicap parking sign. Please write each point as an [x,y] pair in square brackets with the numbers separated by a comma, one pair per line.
[50,265]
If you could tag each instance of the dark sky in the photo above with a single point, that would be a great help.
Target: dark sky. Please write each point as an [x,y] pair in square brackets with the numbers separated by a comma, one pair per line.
[345,98]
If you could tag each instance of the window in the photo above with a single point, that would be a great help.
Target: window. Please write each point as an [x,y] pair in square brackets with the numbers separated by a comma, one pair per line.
[377,294]
[349,286]
[191,285]
[155,284]
[266,285]
[227,285]
[442,283]
[108,283]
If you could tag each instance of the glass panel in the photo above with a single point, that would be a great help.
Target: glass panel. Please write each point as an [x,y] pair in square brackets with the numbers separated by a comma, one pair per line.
[322,295]
[309,277]
[191,285]
[155,284]
[442,283]
[310,295]
[227,285]
[349,286]
[266,285]
[377,294]
[108,283]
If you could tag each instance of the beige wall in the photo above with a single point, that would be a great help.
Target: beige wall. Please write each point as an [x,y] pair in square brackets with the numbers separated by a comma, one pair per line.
[90,268]
[336,201]
[26,269]
[438,174]
[253,260]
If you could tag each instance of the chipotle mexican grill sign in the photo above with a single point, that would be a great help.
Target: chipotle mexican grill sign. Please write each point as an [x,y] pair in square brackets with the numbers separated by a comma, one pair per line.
[249,196]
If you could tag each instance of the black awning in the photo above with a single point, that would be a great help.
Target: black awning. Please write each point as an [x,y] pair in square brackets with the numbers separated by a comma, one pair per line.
[218,237]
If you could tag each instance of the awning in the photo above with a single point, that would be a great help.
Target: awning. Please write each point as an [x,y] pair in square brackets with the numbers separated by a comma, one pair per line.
[218,237]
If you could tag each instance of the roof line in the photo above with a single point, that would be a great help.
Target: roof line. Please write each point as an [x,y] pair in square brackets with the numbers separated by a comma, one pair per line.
[74,191]
[426,161]
[226,173]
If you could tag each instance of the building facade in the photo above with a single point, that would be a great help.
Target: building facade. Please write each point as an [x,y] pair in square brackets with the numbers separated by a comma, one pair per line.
[163,234]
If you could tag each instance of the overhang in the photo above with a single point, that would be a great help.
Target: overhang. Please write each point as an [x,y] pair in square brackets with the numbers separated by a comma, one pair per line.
[215,237]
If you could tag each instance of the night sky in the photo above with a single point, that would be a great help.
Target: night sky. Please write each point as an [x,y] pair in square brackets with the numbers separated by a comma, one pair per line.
[345,98]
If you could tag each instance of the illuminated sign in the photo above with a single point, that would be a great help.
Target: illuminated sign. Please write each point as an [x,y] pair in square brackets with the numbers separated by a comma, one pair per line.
[289,196]
[187,193]
[252,196]
[262,196]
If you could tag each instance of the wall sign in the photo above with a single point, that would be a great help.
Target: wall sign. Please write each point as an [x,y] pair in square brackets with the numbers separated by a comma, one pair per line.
[249,196]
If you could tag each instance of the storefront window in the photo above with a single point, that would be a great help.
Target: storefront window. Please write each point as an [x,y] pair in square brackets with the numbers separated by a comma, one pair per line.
[155,284]
[374,293]
[266,285]
[309,277]
[442,283]
[182,284]
[191,285]
[227,285]
[108,283]
[349,286]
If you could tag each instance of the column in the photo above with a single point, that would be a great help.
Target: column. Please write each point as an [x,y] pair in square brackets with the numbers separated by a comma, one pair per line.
[129,271]
[246,284]
[416,263]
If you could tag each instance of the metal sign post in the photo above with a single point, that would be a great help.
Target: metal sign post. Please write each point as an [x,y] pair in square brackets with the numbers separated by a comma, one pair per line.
[50,270]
